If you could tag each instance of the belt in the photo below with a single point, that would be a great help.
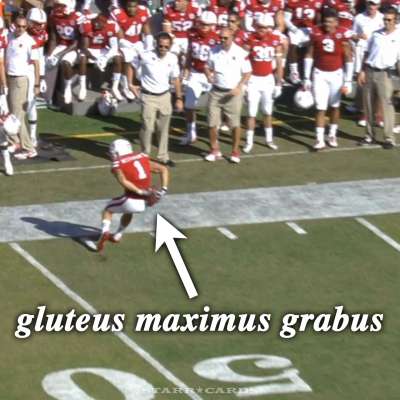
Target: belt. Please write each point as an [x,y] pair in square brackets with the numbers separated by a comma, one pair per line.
[378,69]
[16,76]
[219,89]
[144,91]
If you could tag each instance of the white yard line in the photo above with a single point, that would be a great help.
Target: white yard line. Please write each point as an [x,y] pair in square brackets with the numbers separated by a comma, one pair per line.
[379,233]
[298,229]
[90,309]
[198,159]
[226,232]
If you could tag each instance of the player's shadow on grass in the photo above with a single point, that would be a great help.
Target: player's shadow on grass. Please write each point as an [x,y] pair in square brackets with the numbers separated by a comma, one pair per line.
[87,145]
[64,229]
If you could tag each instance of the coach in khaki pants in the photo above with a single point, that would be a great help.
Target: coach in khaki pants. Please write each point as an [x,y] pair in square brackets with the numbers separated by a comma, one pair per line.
[382,57]
[20,53]
[158,68]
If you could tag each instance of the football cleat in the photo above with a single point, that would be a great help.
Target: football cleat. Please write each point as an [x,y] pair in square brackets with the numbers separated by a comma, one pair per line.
[272,146]
[332,141]
[362,122]
[25,155]
[105,236]
[213,156]
[116,237]
[128,94]
[247,148]
[319,145]
[235,157]
[115,92]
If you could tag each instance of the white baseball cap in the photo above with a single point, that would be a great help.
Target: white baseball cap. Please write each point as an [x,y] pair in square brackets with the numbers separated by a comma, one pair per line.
[377,2]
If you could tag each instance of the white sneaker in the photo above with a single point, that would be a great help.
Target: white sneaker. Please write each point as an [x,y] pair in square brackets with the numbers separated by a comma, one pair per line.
[25,155]
[82,93]
[247,148]
[294,77]
[224,128]
[332,141]
[362,122]
[272,146]
[319,145]
[8,168]
[116,93]
[68,95]
[116,237]
[396,129]
[128,94]
[213,156]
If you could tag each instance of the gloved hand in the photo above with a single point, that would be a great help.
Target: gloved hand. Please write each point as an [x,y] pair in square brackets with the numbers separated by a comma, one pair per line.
[43,86]
[307,84]
[52,61]
[277,92]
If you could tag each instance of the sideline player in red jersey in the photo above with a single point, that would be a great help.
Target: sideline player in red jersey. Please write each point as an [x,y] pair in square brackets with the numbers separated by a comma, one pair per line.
[37,28]
[133,172]
[100,46]
[134,21]
[330,52]
[222,9]
[200,43]
[300,17]
[265,54]
[179,20]
[64,24]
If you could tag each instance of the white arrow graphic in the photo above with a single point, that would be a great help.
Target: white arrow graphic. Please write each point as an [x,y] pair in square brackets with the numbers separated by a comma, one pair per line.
[167,233]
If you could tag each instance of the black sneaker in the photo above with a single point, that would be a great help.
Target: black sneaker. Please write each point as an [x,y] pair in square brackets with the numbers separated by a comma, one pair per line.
[388,145]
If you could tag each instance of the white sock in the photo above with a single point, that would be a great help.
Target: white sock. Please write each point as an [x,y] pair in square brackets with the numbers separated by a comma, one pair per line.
[333,129]
[82,80]
[293,68]
[32,129]
[284,62]
[68,83]
[268,135]
[124,81]
[6,156]
[116,76]
[320,134]
[249,136]
[105,225]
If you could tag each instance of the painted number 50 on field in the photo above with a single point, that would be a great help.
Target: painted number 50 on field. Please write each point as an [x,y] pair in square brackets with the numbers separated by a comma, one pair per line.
[61,386]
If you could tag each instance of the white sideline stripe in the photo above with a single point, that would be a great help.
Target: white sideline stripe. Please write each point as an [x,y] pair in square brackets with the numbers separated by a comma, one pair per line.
[199,159]
[90,309]
[298,229]
[379,233]
[226,232]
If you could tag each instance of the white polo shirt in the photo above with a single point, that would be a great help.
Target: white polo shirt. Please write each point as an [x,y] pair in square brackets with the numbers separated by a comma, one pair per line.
[156,73]
[365,24]
[228,65]
[384,49]
[19,54]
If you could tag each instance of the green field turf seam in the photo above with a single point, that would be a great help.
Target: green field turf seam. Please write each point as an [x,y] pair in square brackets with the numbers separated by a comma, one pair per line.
[90,309]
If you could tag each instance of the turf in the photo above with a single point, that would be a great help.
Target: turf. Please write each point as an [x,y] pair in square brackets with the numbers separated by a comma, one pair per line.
[269,269]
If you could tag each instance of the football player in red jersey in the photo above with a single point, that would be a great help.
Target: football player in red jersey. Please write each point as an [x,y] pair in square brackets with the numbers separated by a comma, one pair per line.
[100,46]
[37,28]
[179,19]
[134,21]
[133,172]
[200,43]
[300,17]
[256,8]
[330,52]
[64,24]
[265,54]
[222,9]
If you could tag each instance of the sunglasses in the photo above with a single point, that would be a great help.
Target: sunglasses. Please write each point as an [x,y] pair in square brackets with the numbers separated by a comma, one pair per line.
[224,37]
[388,19]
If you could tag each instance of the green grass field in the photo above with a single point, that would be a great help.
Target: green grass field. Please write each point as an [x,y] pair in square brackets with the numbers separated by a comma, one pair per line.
[268,269]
